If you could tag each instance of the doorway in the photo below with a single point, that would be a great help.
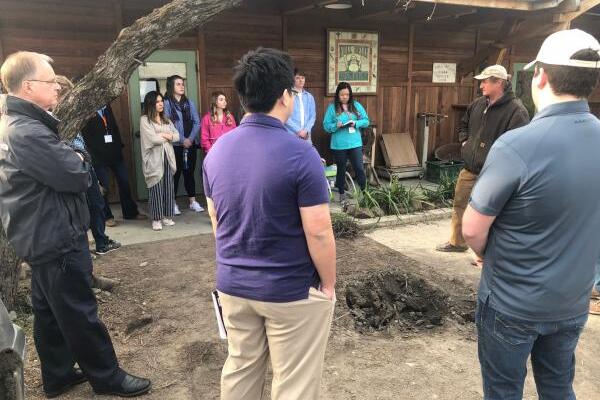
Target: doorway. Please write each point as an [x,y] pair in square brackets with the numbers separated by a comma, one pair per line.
[152,75]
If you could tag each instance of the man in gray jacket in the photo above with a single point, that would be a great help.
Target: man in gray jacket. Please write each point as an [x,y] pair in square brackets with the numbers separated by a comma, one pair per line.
[45,217]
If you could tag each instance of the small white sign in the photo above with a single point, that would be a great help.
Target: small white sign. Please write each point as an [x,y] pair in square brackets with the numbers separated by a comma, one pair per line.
[444,73]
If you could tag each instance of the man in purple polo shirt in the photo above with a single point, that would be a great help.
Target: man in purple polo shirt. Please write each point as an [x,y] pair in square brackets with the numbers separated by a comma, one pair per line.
[269,204]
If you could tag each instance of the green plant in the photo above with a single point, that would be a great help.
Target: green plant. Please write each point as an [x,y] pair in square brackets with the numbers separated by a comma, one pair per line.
[366,198]
[443,194]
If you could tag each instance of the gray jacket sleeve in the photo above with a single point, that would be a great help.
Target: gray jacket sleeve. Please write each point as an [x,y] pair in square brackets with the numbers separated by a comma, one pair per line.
[40,154]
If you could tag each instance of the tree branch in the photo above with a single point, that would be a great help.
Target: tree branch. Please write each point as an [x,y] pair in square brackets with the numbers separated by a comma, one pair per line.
[110,75]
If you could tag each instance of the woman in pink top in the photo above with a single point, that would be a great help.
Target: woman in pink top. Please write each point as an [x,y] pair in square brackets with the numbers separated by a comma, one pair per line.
[217,122]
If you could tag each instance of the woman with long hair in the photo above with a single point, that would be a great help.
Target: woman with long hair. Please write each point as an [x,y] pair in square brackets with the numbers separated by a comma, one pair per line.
[217,122]
[344,119]
[184,115]
[157,133]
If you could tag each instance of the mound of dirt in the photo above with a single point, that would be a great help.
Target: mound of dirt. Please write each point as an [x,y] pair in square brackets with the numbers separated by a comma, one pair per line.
[397,298]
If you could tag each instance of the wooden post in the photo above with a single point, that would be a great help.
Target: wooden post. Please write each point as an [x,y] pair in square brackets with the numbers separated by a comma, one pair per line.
[1,47]
[202,89]
[118,15]
[411,39]
[476,69]
[284,33]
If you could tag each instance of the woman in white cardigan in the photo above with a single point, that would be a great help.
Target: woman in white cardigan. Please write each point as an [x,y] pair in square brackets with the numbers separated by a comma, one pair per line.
[157,134]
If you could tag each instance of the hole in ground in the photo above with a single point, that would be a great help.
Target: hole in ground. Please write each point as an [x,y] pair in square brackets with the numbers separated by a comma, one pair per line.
[396,298]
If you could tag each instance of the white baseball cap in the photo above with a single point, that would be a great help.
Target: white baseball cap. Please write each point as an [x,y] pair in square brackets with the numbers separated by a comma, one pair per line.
[559,47]
[497,71]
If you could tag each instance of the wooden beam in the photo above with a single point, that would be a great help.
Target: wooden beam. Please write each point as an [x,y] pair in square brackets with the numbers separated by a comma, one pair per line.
[469,65]
[535,28]
[411,42]
[300,6]
[498,56]
[372,9]
[504,4]
[584,6]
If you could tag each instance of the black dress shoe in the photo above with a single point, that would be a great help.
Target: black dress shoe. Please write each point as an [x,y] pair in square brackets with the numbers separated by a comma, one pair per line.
[77,378]
[131,386]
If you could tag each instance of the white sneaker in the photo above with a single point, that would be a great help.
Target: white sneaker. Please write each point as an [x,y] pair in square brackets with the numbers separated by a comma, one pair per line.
[168,222]
[156,225]
[196,207]
[176,210]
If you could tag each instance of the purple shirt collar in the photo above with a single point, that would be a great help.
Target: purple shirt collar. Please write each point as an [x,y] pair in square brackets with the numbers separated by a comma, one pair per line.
[262,119]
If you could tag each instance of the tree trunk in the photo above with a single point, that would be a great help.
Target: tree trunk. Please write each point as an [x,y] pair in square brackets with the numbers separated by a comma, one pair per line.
[9,273]
[108,79]
[110,75]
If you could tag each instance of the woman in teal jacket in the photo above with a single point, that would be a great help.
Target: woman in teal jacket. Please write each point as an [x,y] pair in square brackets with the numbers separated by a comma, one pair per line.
[344,119]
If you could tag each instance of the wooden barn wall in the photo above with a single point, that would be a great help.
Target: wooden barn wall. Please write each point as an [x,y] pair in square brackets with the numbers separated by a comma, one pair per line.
[387,109]
[75,33]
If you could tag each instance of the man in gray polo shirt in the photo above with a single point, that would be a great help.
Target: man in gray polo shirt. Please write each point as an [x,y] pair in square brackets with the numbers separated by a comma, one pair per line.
[534,215]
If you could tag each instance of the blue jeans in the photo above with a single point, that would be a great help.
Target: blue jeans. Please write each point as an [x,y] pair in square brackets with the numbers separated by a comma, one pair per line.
[356,159]
[505,343]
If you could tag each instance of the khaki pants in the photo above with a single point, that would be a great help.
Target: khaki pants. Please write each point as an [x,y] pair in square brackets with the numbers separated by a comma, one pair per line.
[294,334]
[462,193]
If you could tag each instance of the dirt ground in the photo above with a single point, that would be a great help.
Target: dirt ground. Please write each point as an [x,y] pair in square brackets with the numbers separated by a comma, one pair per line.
[163,327]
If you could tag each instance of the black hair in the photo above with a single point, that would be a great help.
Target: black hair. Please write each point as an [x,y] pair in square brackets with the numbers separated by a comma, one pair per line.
[169,94]
[338,104]
[298,71]
[150,107]
[575,81]
[261,76]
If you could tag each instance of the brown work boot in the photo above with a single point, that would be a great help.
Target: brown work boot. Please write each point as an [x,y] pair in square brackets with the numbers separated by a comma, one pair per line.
[110,222]
[595,294]
[450,248]
[595,307]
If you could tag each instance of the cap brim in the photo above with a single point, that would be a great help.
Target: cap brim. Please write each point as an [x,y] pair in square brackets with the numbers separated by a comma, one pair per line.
[528,66]
[481,77]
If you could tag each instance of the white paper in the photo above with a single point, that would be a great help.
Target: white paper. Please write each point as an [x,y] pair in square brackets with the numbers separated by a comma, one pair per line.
[219,315]
[444,73]
[107,138]
[352,129]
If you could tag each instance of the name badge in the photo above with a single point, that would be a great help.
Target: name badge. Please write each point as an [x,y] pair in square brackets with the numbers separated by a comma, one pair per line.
[107,138]
[352,129]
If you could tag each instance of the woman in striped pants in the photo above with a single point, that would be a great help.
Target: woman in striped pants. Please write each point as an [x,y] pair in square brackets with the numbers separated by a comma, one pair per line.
[158,160]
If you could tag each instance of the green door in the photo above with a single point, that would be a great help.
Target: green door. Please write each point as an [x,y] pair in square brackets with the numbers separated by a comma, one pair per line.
[160,65]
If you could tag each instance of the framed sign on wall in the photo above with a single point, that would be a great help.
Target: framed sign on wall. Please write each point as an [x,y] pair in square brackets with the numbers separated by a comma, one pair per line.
[352,57]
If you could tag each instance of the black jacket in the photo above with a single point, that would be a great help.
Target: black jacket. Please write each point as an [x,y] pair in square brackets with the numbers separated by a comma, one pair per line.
[103,154]
[42,185]
[482,125]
